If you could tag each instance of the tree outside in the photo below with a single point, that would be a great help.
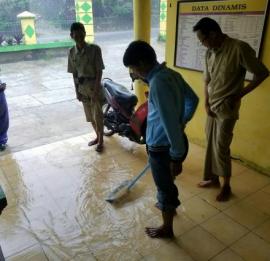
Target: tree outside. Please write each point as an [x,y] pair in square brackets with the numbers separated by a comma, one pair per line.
[53,18]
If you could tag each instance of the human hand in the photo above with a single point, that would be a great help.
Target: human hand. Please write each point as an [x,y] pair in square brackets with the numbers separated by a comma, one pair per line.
[79,97]
[235,98]
[95,96]
[175,167]
[96,92]
[2,86]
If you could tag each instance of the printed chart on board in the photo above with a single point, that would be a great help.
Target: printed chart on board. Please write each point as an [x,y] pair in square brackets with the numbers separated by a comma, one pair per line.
[243,20]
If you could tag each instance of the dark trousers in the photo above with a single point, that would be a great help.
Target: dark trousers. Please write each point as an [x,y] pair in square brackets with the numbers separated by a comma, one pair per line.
[167,192]
[3,200]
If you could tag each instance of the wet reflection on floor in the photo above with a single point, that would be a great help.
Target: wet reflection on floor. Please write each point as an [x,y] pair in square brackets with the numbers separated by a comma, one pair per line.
[57,209]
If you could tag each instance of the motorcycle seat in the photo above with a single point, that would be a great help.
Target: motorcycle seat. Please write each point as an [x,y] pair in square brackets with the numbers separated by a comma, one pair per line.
[122,95]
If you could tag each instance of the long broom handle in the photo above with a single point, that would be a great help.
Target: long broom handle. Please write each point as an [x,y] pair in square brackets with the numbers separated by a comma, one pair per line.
[132,183]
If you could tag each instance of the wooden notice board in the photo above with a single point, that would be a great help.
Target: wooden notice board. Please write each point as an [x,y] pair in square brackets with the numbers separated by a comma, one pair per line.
[242,19]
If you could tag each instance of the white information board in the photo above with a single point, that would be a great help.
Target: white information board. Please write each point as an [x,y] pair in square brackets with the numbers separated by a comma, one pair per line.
[244,20]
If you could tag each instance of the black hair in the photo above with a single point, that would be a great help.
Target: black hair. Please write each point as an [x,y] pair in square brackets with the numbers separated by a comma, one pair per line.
[77,26]
[139,52]
[207,25]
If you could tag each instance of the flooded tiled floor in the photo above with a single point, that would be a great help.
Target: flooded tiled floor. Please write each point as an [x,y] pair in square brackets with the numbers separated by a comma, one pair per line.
[57,210]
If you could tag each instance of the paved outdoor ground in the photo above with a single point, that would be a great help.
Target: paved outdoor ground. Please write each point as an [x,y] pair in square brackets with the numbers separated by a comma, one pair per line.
[41,97]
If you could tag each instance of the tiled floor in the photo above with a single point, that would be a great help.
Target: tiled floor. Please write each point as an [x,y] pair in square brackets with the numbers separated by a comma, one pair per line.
[57,210]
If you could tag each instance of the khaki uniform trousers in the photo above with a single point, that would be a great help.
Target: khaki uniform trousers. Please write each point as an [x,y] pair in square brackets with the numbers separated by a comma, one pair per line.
[92,107]
[219,134]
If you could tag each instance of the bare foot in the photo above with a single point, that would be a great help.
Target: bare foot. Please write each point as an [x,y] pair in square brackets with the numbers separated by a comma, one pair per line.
[224,194]
[99,148]
[93,142]
[159,232]
[3,147]
[209,183]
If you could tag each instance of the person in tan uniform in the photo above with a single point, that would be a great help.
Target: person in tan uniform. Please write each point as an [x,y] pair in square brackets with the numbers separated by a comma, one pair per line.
[86,64]
[226,62]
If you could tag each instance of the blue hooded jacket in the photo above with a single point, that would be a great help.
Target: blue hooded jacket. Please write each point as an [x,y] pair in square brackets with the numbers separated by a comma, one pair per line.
[171,104]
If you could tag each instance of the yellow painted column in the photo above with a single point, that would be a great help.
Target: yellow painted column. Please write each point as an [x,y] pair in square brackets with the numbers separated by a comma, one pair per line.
[163,20]
[28,27]
[84,14]
[142,30]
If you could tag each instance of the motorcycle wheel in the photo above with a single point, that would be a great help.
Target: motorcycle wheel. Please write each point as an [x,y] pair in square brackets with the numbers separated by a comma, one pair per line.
[105,109]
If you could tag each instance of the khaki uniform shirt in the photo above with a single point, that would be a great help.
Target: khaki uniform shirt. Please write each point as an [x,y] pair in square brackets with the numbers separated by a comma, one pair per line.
[225,70]
[85,63]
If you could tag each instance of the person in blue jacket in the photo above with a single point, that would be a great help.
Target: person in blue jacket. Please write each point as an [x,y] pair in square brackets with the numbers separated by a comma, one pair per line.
[4,118]
[171,103]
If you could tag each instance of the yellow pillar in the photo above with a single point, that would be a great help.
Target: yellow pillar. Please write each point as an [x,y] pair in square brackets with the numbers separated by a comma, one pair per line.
[163,20]
[142,30]
[84,14]
[28,27]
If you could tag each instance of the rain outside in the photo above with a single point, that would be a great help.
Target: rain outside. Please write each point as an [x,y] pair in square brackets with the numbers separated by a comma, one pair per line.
[51,206]
[34,44]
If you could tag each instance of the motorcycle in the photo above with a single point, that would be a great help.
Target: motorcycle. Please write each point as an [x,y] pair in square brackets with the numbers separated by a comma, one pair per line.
[121,117]
[119,112]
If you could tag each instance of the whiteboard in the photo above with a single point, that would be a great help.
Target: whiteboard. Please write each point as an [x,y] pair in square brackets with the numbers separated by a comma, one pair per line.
[244,20]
